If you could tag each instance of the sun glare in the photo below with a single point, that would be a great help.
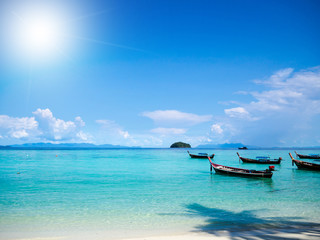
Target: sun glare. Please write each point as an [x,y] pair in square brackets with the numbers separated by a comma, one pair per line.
[37,33]
[40,34]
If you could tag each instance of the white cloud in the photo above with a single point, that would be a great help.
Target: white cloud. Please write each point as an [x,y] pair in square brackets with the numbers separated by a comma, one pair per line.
[176,117]
[239,112]
[169,131]
[55,129]
[112,133]
[277,78]
[157,137]
[196,140]
[17,123]
[305,80]
[286,111]
[105,122]
[289,90]
[223,131]
[216,128]
[12,127]
[172,125]
[42,127]
[83,136]
[79,122]
[20,134]
[124,134]
[299,91]
[148,140]
[113,129]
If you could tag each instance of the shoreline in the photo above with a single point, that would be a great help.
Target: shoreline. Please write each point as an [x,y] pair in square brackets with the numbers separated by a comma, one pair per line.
[295,232]
[310,233]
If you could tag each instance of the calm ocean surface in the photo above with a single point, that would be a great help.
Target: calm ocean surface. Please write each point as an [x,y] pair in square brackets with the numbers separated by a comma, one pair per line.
[148,190]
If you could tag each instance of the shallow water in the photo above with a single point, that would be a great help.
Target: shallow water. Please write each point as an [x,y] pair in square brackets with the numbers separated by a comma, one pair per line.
[150,190]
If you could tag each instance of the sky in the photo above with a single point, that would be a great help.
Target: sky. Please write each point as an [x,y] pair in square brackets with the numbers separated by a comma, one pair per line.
[150,73]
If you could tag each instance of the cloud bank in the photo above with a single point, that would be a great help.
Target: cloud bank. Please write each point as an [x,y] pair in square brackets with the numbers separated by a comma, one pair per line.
[284,114]
[112,129]
[43,126]
[169,131]
[176,117]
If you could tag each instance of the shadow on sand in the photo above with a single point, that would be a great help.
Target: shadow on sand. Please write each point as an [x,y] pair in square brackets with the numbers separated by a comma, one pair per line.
[246,225]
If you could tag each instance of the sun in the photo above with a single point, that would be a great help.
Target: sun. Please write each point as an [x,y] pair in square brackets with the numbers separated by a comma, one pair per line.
[37,33]
[40,33]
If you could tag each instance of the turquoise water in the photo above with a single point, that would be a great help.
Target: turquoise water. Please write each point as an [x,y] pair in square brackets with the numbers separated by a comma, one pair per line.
[148,190]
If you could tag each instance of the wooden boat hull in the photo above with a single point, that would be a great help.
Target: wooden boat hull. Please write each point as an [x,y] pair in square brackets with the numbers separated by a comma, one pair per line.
[200,156]
[250,160]
[261,161]
[305,165]
[307,156]
[240,172]
[197,156]
[264,175]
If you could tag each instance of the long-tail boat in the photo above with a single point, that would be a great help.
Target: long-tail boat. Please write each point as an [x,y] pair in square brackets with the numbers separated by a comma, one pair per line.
[262,160]
[305,165]
[241,172]
[310,156]
[200,155]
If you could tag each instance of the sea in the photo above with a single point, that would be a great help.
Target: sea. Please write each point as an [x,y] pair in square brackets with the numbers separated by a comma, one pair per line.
[124,193]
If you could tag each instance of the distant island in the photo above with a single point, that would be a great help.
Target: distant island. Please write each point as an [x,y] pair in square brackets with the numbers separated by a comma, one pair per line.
[85,146]
[223,146]
[61,146]
[242,148]
[180,145]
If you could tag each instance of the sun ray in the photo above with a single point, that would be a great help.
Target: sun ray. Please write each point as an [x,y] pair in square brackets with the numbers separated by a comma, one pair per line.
[110,44]
[89,15]
[40,34]
[17,16]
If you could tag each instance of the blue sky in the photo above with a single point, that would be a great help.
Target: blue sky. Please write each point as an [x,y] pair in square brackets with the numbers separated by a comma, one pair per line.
[149,73]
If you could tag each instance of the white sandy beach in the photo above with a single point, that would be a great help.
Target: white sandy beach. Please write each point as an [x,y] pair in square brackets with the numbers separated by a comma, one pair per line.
[311,233]
[257,235]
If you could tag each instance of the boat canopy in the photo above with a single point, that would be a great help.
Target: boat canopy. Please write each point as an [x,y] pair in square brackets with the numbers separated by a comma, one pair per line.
[262,157]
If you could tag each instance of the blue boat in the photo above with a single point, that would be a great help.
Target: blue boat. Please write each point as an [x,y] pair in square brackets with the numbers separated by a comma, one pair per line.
[200,155]
[260,159]
[309,156]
